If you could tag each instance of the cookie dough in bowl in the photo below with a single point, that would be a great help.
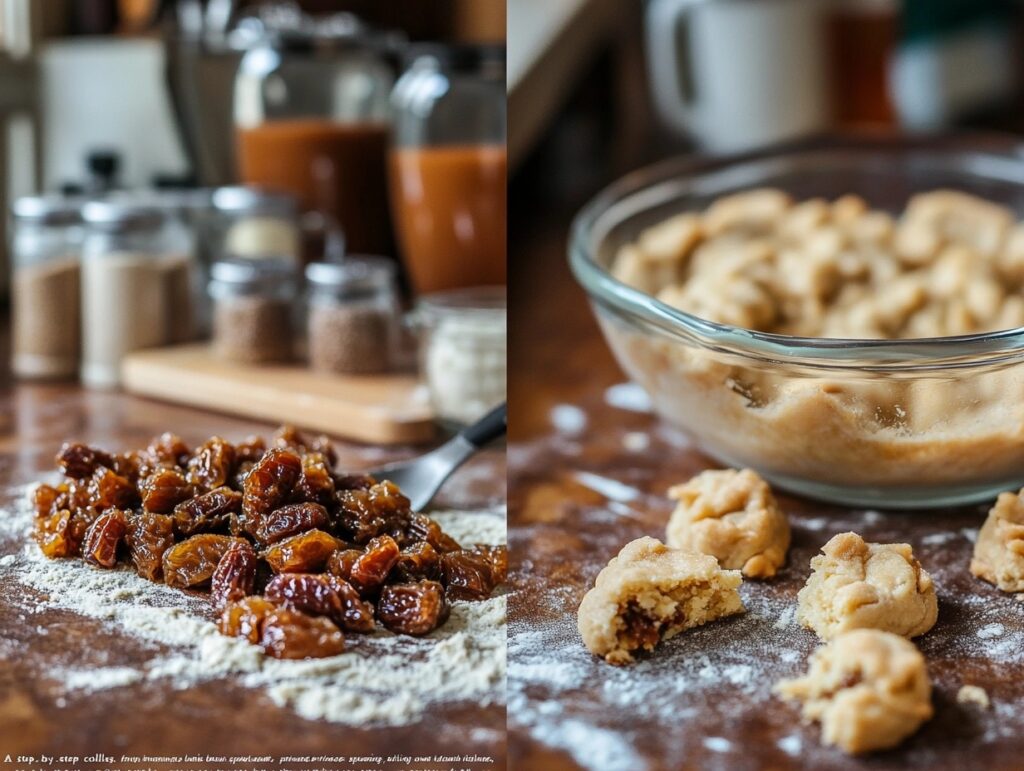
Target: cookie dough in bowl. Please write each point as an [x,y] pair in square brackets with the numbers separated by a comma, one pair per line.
[847,319]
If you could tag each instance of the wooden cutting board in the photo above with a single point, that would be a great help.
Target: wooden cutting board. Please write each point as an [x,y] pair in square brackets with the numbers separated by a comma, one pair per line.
[378,409]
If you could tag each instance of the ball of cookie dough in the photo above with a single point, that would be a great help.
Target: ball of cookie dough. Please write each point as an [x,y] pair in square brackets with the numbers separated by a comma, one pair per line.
[650,593]
[733,516]
[859,585]
[868,689]
[999,550]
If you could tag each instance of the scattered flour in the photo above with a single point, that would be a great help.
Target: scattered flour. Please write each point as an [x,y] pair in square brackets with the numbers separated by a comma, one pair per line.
[628,396]
[568,419]
[382,678]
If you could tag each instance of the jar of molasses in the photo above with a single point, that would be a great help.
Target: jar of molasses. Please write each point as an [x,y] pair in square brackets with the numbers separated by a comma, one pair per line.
[448,166]
[254,305]
[354,316]
[312,118]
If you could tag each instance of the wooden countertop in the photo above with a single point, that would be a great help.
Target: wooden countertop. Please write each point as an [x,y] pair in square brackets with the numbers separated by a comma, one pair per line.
[215,717]
[586,477]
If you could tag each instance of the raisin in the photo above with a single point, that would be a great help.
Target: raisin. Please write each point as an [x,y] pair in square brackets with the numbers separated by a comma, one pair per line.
[128,465]
[207,512]
[467,575]
[43,499]
[244,618]
[267,486]
[163,490]
[414,609]
[315,483]
[250,450]
[293,519]
[193,561]
[103,537]
[212,464]
[321,445]
[168,450]
[54,535]
[288,437]
[341,561]
[497,560]
[81,521]
[241,472]
[303,553]
[371,569]
[323,595]
[366,514]
[423,528]
[108,490]
[417,562]
[149,536]
[353,481]
[79,461]
[235,574]
[291,634]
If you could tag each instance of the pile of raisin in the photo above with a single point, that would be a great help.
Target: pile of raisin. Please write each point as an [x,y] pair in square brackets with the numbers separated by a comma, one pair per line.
[294,555]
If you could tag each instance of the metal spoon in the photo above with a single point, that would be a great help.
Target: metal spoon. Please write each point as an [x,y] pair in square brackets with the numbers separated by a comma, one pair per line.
[421,478]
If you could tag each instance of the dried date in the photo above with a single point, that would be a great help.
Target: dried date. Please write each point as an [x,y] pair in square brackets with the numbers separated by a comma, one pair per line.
[417,562]
[192,562]
[413,609]
[323,595]
[341,561]
[79,461]
[148,537]
[303,553]
[467,575]
[293,519]
[497,560]
[250,450]
[103,537]
[43,499]
[212,465]
[108,490]
[315,483]
[163,490]
[235,575]
[371,569]
[207,512]
[423,528]
[291,634]
[245,618]
[267,486]
[366,514]
[54,535]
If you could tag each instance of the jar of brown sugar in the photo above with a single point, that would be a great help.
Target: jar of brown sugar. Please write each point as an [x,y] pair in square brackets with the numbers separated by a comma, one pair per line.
[46,250]
[253,308]
[354,320]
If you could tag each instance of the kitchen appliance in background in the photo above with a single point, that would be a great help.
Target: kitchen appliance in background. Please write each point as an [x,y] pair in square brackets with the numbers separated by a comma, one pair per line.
[449,166]
[733,74]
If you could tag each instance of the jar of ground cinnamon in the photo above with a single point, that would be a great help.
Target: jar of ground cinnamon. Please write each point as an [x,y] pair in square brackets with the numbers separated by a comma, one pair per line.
[253,309]
[354,319]
[46,249]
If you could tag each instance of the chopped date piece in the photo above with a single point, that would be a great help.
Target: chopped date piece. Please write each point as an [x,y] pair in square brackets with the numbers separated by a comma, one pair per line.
[103,537]
[303,553]
[108,490]
[43,499]
[417,562]
[291,634]
[250,450]
[235,575]
[207,512]
[193,561]
[467,575]
[267,486]
[414,609]
[148,537]
[245,617]
[366,514]
[371,569]
[163,490]
[323,595]
[54,535]
[341,561]
[79,461]
[497,559]
[293,519]
[316,483]
[423,528]
[212,464]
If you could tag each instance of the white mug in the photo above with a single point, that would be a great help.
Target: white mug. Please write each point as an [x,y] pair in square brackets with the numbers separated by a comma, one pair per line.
[756,69]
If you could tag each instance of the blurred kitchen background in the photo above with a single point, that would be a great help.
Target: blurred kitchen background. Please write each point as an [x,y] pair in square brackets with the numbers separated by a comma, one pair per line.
[598,88]
[312,185]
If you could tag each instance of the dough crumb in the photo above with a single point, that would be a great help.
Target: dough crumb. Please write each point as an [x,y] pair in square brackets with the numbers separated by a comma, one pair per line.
[733,516]
[650,593]
[973,694]
[999,549]
[868,689]
[860,585]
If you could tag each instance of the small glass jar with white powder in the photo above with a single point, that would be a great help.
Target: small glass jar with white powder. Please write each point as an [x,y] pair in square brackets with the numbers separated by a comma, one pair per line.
[462,351]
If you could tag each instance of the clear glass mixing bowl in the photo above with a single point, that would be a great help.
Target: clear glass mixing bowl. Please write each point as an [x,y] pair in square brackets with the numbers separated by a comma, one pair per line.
[880,423]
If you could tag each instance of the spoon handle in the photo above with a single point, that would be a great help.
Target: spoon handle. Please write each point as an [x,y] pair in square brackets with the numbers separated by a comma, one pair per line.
[491,426]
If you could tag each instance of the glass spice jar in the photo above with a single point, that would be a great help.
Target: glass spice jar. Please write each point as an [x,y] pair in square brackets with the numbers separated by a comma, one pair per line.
[462,351]
[136,285]
[253,308]
[253,223]
[354,318]
[46,248]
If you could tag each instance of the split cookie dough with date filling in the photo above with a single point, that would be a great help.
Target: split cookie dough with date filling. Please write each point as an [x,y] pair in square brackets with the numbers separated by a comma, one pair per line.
[999,550]
[650,593]
[733,516]
[868,689]
[860,585]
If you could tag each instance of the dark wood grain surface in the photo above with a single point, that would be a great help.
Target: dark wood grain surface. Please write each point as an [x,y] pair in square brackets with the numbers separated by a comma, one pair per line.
[586,477]
[217,717]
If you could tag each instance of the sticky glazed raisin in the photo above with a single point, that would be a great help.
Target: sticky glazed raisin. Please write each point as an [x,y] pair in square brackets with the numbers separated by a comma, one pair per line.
[353,481]
[108,490]
[250,450]
[168,450]
[413,609]
[288,437]
[466,575]
[192,562]
[323,595]
[43,499]
[304,553]
[315,483]
[293,519]
[341,561]
[291,634]
[267,486]
[81,521]
[149,536]
[245,618]
[103,538]
[321,445]
[212,464]
[235,575]
[371,569]
[423,528]
[163,490]
[207,512]
[54,535]
[79,461]
[416,562]
[366,514]
[497,560]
